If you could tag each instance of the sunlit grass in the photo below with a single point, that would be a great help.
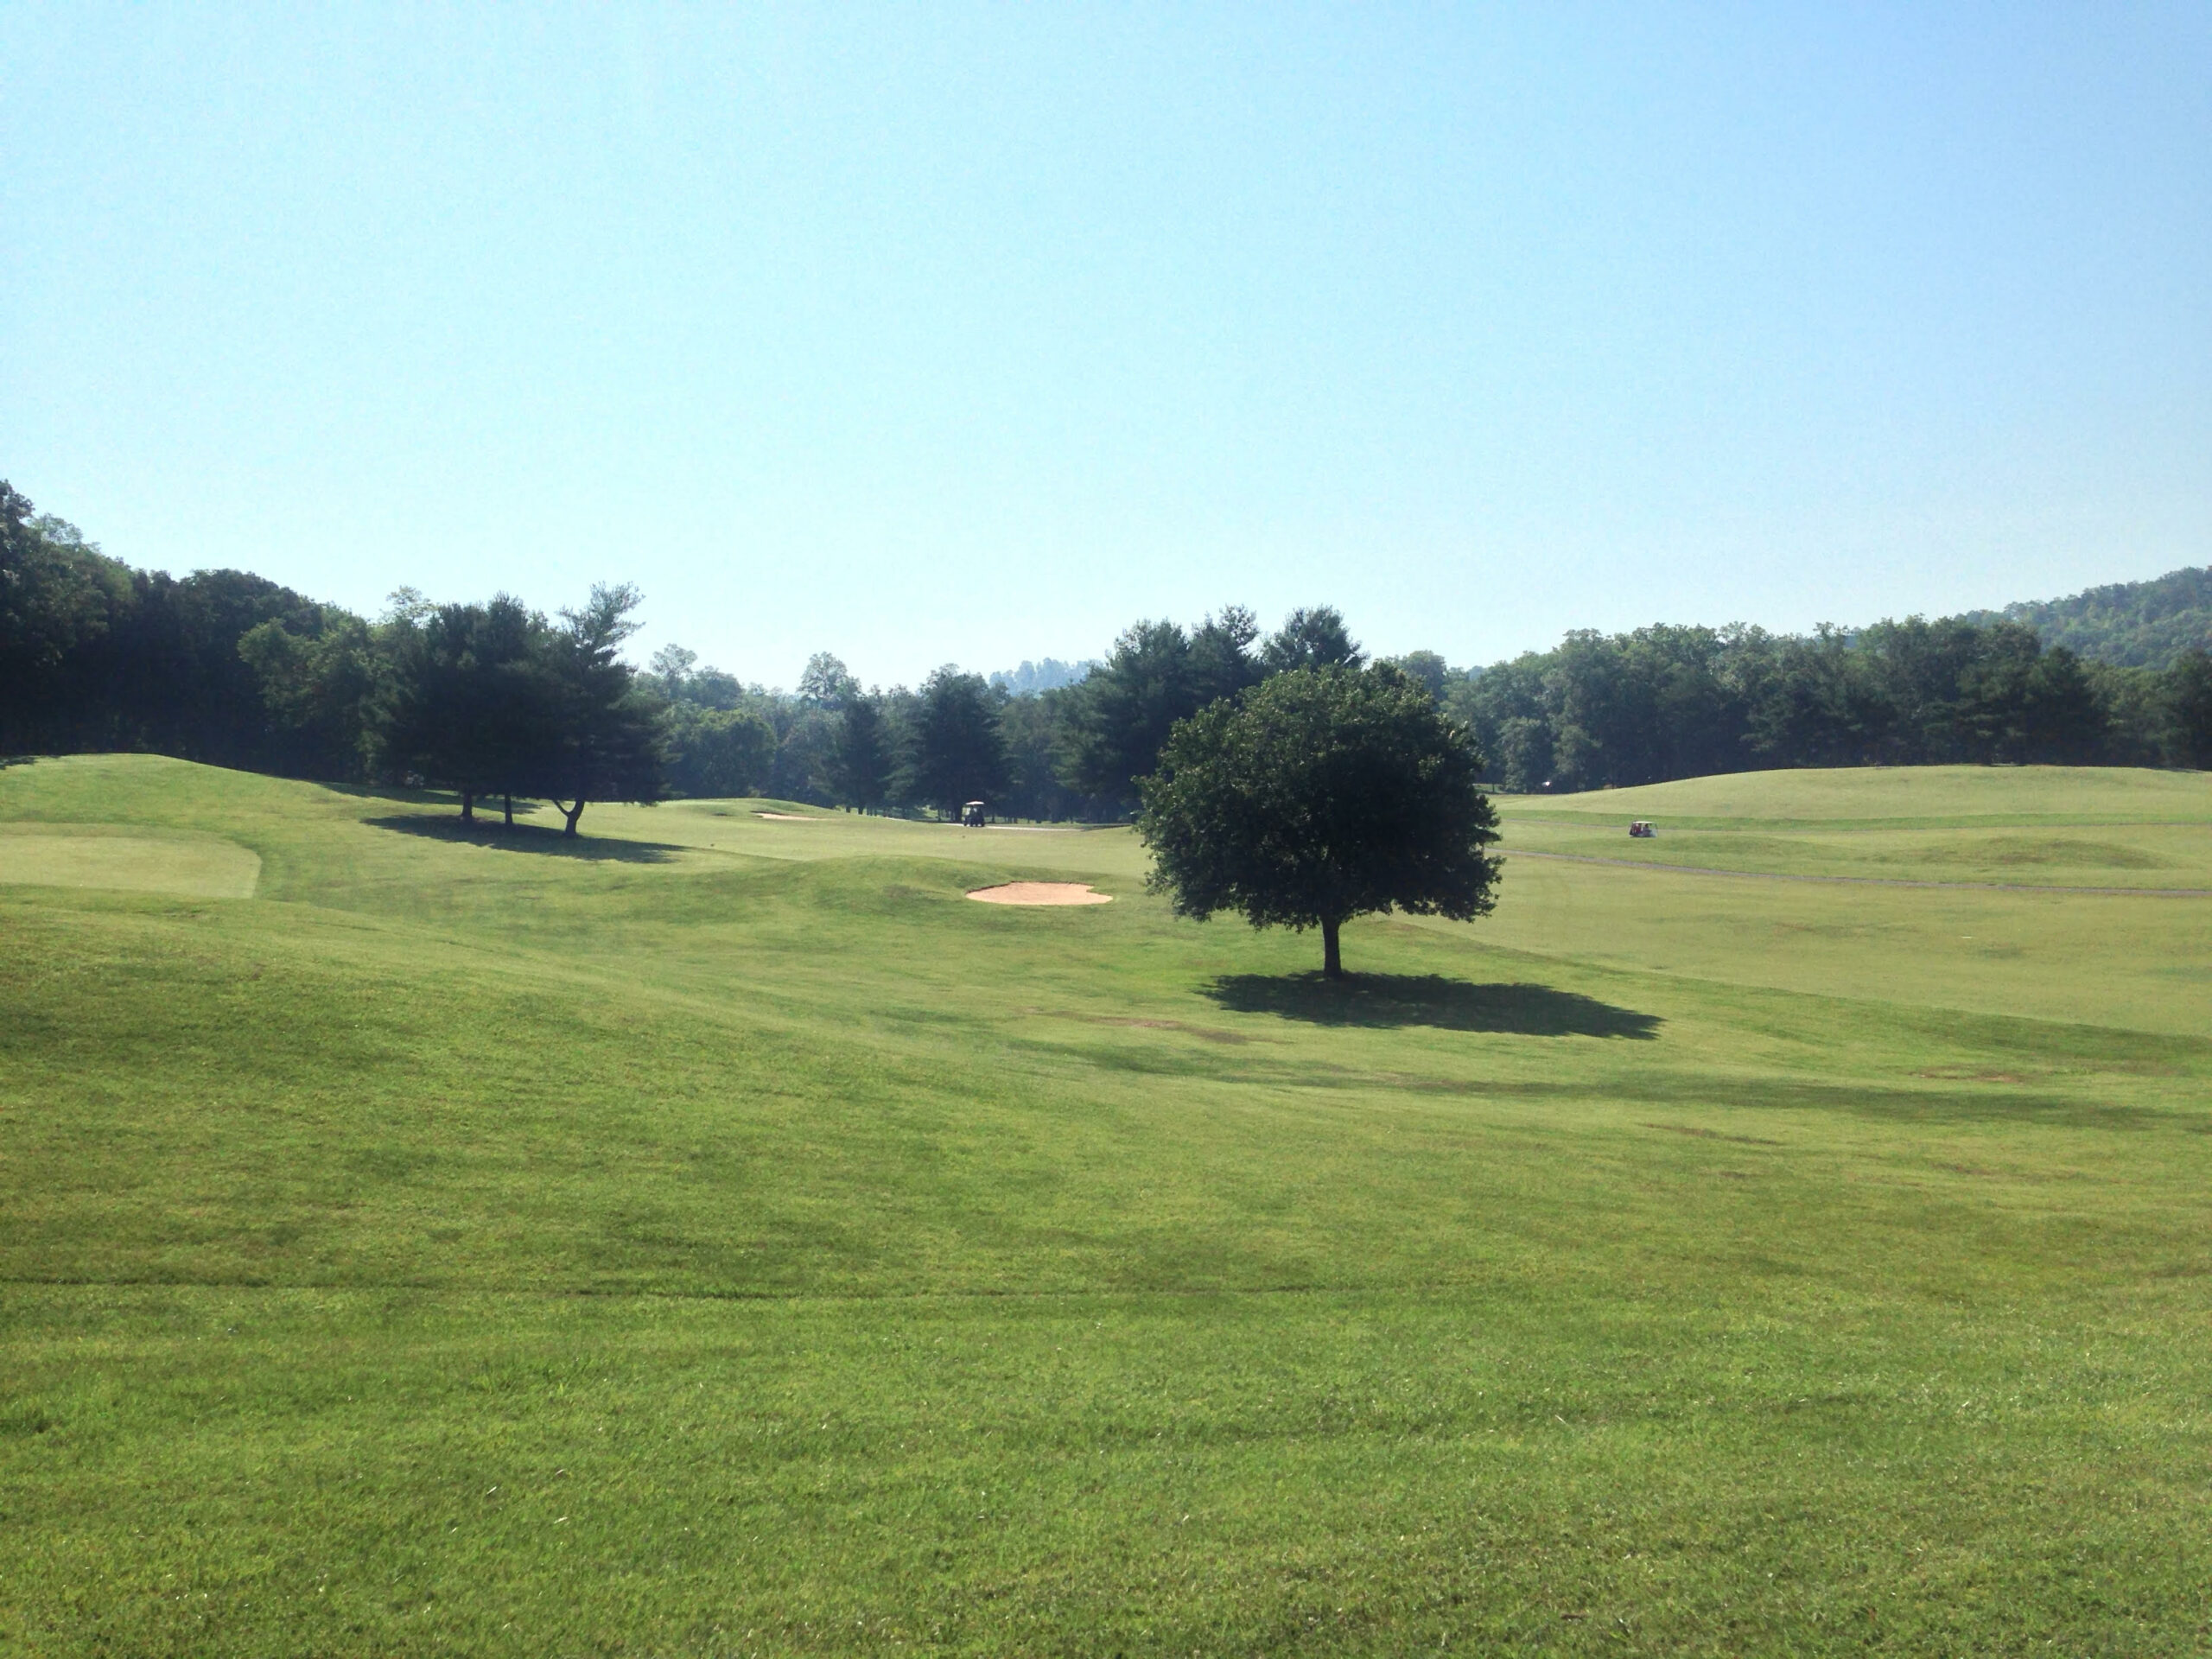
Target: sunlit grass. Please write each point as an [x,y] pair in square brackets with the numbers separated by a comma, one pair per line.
[720,1237]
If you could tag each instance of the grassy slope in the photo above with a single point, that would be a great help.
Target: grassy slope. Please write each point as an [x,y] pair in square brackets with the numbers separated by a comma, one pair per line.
[723,1237]
[1928,795]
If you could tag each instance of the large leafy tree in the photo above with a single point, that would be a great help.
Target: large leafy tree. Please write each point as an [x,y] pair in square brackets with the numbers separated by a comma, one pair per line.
[608,738]
[318,691]
[827,683]
[1320,795]
[60,598]
[957,750]
[473,705]
[1312,639]
[55,589]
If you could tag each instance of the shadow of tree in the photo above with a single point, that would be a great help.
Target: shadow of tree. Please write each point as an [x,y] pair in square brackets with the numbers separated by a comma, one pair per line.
[394,792]
[1390,1000]
[528,838]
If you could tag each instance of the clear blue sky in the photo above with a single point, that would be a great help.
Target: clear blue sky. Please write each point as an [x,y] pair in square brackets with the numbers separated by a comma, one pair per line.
[937,333]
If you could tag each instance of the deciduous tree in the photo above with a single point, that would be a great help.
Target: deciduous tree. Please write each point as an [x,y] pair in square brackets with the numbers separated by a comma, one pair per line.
[1320,795]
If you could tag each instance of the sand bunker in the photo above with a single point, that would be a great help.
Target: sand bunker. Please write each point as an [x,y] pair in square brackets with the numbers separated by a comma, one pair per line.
[789,817]
[1041,892]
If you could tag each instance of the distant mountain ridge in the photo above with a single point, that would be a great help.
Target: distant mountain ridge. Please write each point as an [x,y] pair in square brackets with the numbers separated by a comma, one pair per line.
[1047,676]
[2131,624]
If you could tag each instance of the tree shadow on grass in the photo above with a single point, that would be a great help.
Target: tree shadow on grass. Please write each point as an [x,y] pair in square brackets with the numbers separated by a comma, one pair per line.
[528,838]
[1393,1000]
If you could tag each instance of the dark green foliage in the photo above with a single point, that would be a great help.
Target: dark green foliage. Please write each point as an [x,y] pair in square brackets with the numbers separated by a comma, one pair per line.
[955,749]
[719,751]
[827,683]
[1666,702]
[723,736]
[1155,675]
[56,590]
[1311,639]
[319,690]
[472,701]
[225,667]
[493,699]
[607,740]
[2189,694]
[1128,705]
[1035,728]
[2128,624]
[861,761]
[805,766]
[1322,794]
[1433,672]
[94,655]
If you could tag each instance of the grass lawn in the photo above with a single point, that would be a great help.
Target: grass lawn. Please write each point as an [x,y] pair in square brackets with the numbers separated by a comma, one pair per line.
[719,1235]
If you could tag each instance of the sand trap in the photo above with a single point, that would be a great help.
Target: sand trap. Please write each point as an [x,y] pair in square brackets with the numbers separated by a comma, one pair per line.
[789,817]
[1041,892]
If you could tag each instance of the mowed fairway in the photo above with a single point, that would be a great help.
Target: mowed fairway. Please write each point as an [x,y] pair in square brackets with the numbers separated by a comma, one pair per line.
[720,1237]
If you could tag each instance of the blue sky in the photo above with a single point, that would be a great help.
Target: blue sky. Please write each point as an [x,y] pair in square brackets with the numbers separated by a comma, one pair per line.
[935,333]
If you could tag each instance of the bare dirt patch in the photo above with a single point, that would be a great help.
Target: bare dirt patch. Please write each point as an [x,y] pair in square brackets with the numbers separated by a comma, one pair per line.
[1041,892]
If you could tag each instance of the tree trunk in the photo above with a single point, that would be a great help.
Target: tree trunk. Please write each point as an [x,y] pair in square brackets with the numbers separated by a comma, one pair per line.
[1332,956]
[509,802]
[571,814]
[469,806]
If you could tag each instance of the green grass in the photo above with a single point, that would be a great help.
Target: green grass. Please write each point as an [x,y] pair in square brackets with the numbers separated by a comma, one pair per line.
[96,856]
[1902,795]
[721,1236]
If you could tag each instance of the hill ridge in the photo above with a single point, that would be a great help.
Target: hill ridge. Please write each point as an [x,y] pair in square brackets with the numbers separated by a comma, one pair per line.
[2129,624]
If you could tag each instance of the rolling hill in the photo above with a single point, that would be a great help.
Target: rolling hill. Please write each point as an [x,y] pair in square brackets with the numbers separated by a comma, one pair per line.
[718,1235]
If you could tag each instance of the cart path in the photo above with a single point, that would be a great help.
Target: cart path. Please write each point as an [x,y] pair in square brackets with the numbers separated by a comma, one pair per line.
[1864,880]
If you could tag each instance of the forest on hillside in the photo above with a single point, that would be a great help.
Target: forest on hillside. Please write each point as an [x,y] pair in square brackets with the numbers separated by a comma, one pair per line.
[2131,624]
[494,698]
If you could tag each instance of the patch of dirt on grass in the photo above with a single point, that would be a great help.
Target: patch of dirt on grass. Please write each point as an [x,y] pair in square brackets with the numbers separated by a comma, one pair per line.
[1041,892]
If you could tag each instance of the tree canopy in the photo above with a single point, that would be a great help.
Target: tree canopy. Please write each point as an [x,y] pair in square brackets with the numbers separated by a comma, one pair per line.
[1155,675]
[1320,795]
[958,751]
[605,739]
[493,699]
[226,667]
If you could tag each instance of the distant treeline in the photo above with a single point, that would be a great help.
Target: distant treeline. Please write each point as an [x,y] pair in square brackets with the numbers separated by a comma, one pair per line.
[2132,624]
[496,700]
[1683,702]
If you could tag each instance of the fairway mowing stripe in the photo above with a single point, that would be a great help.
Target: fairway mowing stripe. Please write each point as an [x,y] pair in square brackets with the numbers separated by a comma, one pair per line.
[1866,881]
[585,1292]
